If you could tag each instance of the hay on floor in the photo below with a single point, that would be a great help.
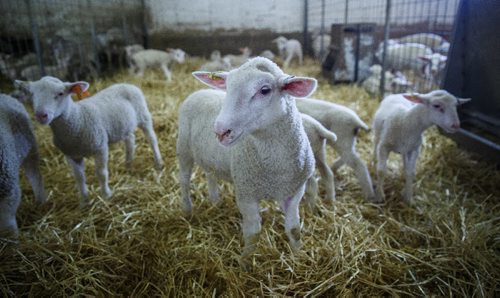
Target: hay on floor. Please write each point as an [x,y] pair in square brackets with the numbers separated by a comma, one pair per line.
[139,243]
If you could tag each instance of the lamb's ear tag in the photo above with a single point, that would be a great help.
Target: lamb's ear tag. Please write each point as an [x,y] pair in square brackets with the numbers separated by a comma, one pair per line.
[214,77]
[79,93]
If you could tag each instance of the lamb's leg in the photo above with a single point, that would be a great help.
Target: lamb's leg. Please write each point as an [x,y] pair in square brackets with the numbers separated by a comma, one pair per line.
[337,164]
[148,130]
[287,60]
[167,72]
[79,172]
[409,163]
[101,168]
[251,224]
[290,207]
[129,150]
[382,155]
[32,171]
[213,189]
[10,197]
[326,175]
[185,168]
[311,192]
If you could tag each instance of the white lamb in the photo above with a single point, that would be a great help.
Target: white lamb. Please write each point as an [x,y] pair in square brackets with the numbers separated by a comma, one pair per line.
[318,135]
[398,126]
[87,127]
[237,60]
[131,50]
[18,149]
[156,58]
[288,49]
[394,83]
[346,124]
[430,40]
[216,63]
[265,151]
[267,54]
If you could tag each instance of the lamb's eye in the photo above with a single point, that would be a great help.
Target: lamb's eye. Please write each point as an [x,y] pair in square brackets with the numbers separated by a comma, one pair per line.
[265,90]
[436,106]
[60,94]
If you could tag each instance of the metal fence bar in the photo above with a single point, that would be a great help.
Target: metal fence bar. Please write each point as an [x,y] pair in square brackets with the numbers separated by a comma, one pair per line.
[384,51]
[36,38]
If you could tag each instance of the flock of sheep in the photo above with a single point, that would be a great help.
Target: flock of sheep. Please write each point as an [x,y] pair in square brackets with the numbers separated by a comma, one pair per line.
[256,127]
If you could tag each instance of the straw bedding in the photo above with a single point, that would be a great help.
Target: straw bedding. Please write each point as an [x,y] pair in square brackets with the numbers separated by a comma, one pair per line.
[139,243]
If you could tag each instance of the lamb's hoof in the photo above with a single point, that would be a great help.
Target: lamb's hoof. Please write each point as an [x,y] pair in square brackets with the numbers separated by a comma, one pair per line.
[159,166]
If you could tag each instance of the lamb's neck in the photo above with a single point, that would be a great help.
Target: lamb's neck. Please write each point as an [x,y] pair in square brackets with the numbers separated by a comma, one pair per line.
[418,118]
[69,122]
[283,132]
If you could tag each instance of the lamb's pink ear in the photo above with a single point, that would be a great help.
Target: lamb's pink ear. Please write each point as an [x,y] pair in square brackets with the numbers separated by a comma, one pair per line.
[415,97]
[77,87]
[212,79]
[299,86]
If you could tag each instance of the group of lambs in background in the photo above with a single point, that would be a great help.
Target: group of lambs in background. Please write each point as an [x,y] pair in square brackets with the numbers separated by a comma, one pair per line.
[247,129]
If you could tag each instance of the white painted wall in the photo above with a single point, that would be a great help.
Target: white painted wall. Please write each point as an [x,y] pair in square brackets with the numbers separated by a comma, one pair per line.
[209,15]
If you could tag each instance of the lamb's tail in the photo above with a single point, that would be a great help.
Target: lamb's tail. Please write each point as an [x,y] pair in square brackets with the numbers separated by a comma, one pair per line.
[360,124]
[330,136]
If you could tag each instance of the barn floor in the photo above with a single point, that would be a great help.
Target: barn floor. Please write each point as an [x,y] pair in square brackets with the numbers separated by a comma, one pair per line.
[140,244]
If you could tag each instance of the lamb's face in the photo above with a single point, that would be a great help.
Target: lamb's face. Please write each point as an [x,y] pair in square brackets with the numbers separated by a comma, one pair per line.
[179,55]
[49,98]
[253,101]
[443,110]
[257,95]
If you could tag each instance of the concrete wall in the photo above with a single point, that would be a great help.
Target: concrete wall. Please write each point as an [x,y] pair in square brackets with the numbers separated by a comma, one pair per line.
[211,15]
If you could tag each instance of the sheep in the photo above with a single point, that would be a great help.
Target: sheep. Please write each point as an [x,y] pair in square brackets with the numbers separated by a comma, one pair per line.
[265,151]
[267,54]
[346,124]
[320,52]
[237,60]
[154,58]
[430,40]
[318,135]
[398,125]
[18,149]
[216,63]
[288,48]
[131,50]
[86,128]
[434,66]
[405,56]
[394,82]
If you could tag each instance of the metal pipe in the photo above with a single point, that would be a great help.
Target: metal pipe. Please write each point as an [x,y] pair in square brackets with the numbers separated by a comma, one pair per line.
[386,38]
[145,40]
[306,26]
[36,39]
[322,31]
[346,11]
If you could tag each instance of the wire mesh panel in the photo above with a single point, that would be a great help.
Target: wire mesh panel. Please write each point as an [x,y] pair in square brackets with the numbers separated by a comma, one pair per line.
[418,37]
[71,40]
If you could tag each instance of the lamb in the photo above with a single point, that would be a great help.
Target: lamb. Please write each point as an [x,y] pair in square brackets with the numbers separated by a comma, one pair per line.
[318,135]
[394,83]
[154,58]
[237,60]
[320,52]
[130,50]
[18,149]
[267,54]
[216,63]
[405,56]
[346,124]
[430,40]
[288,49]
[265,151]
[398,125]
[86,128]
